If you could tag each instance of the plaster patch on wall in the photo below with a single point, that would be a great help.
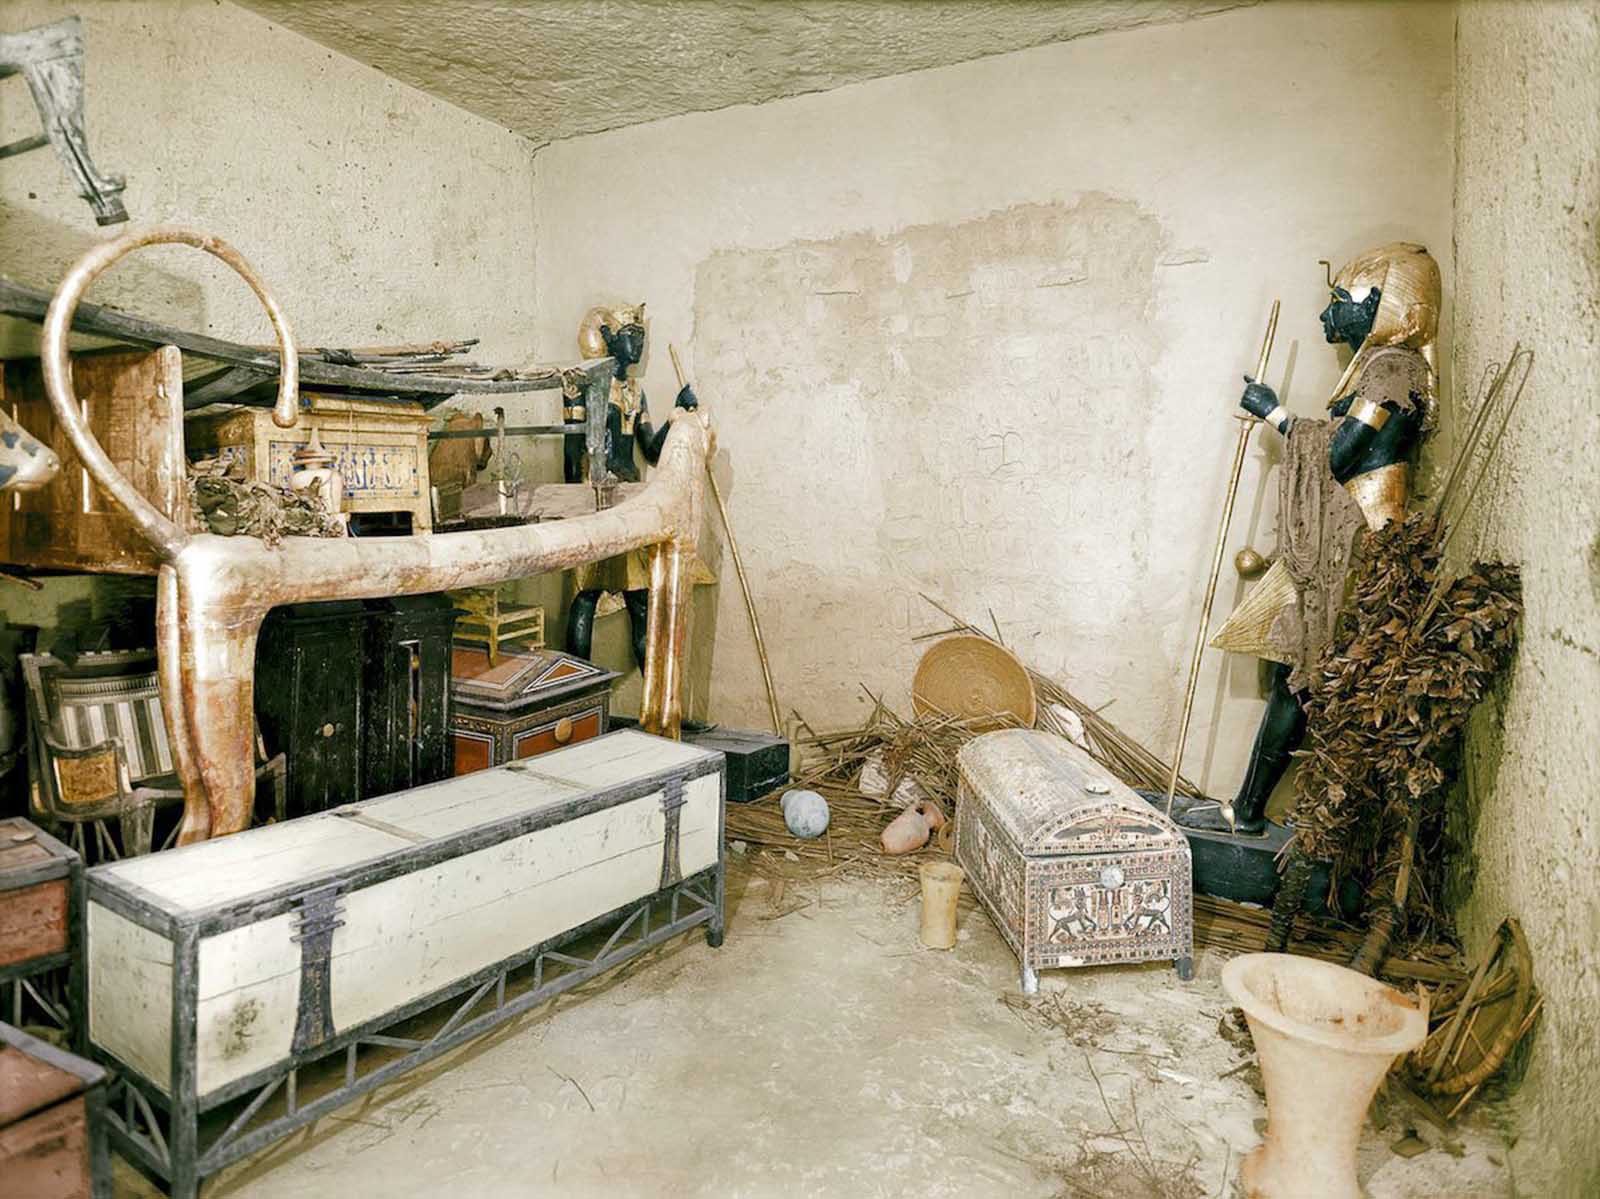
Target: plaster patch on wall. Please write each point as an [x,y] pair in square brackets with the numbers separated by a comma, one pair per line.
[951,409]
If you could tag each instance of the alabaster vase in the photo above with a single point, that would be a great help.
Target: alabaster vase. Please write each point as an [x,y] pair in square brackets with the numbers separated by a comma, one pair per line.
[941,891]
[1325,1036]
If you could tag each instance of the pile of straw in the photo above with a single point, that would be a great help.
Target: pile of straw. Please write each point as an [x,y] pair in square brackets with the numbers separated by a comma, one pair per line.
[921,749]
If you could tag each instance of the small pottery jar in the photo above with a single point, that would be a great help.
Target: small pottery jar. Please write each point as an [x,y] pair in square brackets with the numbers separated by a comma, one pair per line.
[313,466]
[909,831]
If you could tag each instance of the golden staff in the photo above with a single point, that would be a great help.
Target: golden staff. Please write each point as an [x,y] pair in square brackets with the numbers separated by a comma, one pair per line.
[738,569]
[1248,424]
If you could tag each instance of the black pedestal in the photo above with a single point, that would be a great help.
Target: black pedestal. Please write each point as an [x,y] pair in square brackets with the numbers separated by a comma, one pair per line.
[1241,868]
[756,762]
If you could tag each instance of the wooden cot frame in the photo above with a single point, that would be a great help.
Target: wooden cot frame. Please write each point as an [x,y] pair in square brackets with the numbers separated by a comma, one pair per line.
[212,592]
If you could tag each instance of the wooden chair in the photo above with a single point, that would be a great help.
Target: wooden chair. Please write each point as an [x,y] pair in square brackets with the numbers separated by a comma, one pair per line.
[485,620]
[98,750]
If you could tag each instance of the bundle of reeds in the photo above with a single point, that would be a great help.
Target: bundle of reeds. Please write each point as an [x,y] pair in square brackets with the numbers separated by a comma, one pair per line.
[1119,753]
[920,749]
[1232,927]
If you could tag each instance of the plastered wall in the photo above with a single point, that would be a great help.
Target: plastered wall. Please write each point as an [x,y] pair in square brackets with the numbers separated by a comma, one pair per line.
[978,332]
[376,213]
[1528,270]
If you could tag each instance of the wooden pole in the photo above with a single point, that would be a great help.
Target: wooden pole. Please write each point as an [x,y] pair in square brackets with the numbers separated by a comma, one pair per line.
[1249,423]
[738,569]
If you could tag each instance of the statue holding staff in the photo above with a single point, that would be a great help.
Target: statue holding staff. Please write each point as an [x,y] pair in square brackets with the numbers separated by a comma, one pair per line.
[620,333]
[1339,476]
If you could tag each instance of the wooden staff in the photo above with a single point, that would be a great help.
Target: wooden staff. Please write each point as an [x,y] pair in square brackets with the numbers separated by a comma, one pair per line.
[1245,429]
[738,569]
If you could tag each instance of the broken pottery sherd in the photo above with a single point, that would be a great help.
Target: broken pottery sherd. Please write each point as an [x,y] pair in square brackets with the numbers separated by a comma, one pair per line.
[909,831]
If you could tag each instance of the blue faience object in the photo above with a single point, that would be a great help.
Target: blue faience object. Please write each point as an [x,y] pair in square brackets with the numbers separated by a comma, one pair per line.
[805,812]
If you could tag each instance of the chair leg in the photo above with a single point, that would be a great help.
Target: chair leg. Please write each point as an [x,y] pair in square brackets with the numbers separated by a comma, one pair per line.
[280,791]
[138,826]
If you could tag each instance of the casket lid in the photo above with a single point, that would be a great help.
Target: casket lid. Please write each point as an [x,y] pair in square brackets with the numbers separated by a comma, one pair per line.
[1051,797]
[520,680]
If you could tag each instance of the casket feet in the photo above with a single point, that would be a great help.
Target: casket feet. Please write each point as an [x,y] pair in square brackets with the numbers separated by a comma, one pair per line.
[1030,980]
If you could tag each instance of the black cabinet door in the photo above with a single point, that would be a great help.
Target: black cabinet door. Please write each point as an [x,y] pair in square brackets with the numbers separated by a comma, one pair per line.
[406,740]
[310,700]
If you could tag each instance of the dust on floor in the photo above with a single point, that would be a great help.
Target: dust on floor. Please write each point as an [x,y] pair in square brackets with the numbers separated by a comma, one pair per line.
[822,1052]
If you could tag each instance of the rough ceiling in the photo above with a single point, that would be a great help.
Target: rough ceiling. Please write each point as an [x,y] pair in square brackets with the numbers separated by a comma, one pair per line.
[550,69]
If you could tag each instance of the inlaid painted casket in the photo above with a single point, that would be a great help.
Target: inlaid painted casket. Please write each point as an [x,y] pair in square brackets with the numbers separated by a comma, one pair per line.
[1074,867]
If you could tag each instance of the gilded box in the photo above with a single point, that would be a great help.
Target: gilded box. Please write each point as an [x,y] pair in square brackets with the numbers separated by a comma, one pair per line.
[380,449]
[1074,867]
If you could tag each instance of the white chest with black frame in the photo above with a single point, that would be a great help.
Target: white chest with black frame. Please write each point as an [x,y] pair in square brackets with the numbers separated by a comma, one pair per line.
[217,971]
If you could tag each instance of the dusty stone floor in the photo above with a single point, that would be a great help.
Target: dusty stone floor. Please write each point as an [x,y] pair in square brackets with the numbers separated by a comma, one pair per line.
[822,1052]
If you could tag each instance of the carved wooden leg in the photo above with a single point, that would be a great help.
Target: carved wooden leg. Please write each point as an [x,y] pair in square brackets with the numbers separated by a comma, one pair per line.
[137,826]
[661,710]
[50,58]
[280,788]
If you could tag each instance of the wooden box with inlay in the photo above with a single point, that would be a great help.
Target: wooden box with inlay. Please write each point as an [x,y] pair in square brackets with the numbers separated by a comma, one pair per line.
[380,448]
[217,971]
[38,900]
[52,1122]
[1074,867]
[523,705]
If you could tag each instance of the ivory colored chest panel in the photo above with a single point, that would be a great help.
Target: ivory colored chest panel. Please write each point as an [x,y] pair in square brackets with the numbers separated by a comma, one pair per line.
[261,946]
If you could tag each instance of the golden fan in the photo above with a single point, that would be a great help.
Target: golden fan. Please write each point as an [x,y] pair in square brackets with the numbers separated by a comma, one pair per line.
[1246,629]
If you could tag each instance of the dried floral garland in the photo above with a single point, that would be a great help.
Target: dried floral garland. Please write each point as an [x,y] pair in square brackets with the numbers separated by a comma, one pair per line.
[224,503]
[1411,655]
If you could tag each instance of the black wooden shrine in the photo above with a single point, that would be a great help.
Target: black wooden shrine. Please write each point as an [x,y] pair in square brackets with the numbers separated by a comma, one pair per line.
[356,695]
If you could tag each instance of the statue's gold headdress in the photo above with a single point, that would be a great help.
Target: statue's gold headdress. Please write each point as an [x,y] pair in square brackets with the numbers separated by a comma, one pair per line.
[590,343]
[1408,309]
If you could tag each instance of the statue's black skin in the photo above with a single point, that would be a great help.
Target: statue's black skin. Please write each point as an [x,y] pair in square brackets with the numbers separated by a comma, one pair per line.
[626,345]
[1355,449]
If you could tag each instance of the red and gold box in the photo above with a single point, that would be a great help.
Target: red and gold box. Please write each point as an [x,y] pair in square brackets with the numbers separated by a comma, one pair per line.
[523,705]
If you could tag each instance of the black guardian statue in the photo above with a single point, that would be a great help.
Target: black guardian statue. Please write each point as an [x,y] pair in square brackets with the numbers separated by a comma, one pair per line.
[620,333]
[1339,476]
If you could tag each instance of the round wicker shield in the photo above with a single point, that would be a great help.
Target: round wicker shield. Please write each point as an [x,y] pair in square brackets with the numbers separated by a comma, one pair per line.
[971,678]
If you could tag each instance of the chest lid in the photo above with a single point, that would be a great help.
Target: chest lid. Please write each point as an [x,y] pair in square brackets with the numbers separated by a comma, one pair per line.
[35,1075]
[433,822]
[1051,797]
[28,855]
[522,679]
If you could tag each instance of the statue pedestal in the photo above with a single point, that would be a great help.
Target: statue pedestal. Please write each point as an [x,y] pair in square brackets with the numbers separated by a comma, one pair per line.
[1240,868]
